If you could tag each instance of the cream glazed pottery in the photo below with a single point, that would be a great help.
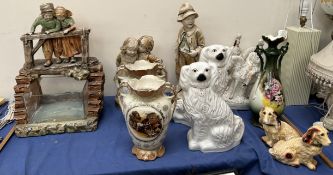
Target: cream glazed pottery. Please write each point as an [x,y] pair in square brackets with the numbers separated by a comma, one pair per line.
[147,104]
[214,127]
[138,69]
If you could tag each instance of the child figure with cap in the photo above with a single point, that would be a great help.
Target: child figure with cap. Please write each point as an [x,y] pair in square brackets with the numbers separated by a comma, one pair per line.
[49,25]
[190,38]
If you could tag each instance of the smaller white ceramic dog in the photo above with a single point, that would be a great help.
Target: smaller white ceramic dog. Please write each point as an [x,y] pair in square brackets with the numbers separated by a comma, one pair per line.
[275,130]
[214,127]
[301,150]
[219,56]
[236,69]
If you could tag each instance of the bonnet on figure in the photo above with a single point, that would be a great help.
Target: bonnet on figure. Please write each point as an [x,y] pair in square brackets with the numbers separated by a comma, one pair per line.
[70,46]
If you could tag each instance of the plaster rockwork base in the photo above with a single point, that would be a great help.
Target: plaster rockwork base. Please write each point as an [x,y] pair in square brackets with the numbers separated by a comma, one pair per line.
[39,129]
[148,154]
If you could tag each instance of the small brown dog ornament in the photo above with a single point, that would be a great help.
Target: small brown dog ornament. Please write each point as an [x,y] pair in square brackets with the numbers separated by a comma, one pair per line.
[275,130]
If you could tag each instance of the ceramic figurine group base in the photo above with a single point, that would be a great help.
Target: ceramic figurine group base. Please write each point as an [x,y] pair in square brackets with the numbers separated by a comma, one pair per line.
[239,103]
[145,155]
[30,114]
[39,129]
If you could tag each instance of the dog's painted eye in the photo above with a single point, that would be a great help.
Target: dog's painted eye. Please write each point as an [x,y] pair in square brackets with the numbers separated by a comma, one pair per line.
[224,50]
[322,134]
[214,50]
[194,70]
[264,113]
[206,70]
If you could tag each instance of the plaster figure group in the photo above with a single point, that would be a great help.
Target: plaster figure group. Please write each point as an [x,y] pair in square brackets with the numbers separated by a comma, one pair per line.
[58,37]
[56,20]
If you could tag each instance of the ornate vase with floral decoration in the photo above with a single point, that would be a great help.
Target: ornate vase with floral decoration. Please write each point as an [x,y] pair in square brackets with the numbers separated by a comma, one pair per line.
[267,90]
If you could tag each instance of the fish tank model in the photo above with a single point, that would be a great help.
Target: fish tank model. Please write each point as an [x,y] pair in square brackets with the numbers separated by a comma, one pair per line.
[39,111]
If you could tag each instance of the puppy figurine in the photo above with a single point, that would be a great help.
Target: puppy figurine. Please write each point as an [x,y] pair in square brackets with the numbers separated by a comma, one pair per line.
[275,130]
[214,126]
[301,150]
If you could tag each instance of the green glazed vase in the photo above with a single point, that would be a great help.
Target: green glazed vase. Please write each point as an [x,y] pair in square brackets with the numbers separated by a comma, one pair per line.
[267,90]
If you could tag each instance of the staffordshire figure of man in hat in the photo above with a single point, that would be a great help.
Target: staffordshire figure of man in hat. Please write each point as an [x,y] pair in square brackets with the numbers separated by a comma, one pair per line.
[190,38]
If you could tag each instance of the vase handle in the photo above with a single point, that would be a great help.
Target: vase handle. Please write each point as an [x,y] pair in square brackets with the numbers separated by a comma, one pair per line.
[120,70]
[122,91]
[169,91]
[163,73]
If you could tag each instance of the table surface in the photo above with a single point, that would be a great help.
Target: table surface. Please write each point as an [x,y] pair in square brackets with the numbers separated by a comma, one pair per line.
[108,150]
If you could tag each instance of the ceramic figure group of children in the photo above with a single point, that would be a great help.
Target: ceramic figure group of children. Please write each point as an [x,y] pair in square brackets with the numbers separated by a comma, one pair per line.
[136,49]
[55,20]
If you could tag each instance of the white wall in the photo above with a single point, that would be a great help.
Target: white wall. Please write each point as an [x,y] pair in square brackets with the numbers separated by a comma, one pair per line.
[112,21]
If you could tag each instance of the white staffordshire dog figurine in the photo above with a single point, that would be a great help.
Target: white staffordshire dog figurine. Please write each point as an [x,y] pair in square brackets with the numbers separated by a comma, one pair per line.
[218,55]
[214,126]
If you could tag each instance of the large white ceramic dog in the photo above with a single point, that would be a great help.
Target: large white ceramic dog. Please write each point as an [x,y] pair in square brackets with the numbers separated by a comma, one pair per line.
[214,126]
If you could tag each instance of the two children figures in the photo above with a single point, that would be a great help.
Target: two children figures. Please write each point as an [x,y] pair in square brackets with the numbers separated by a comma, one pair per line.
[137,49]
[54,20]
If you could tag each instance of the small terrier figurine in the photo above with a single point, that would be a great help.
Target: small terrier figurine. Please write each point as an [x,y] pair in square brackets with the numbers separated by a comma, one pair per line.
[301,150]
[275,130]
